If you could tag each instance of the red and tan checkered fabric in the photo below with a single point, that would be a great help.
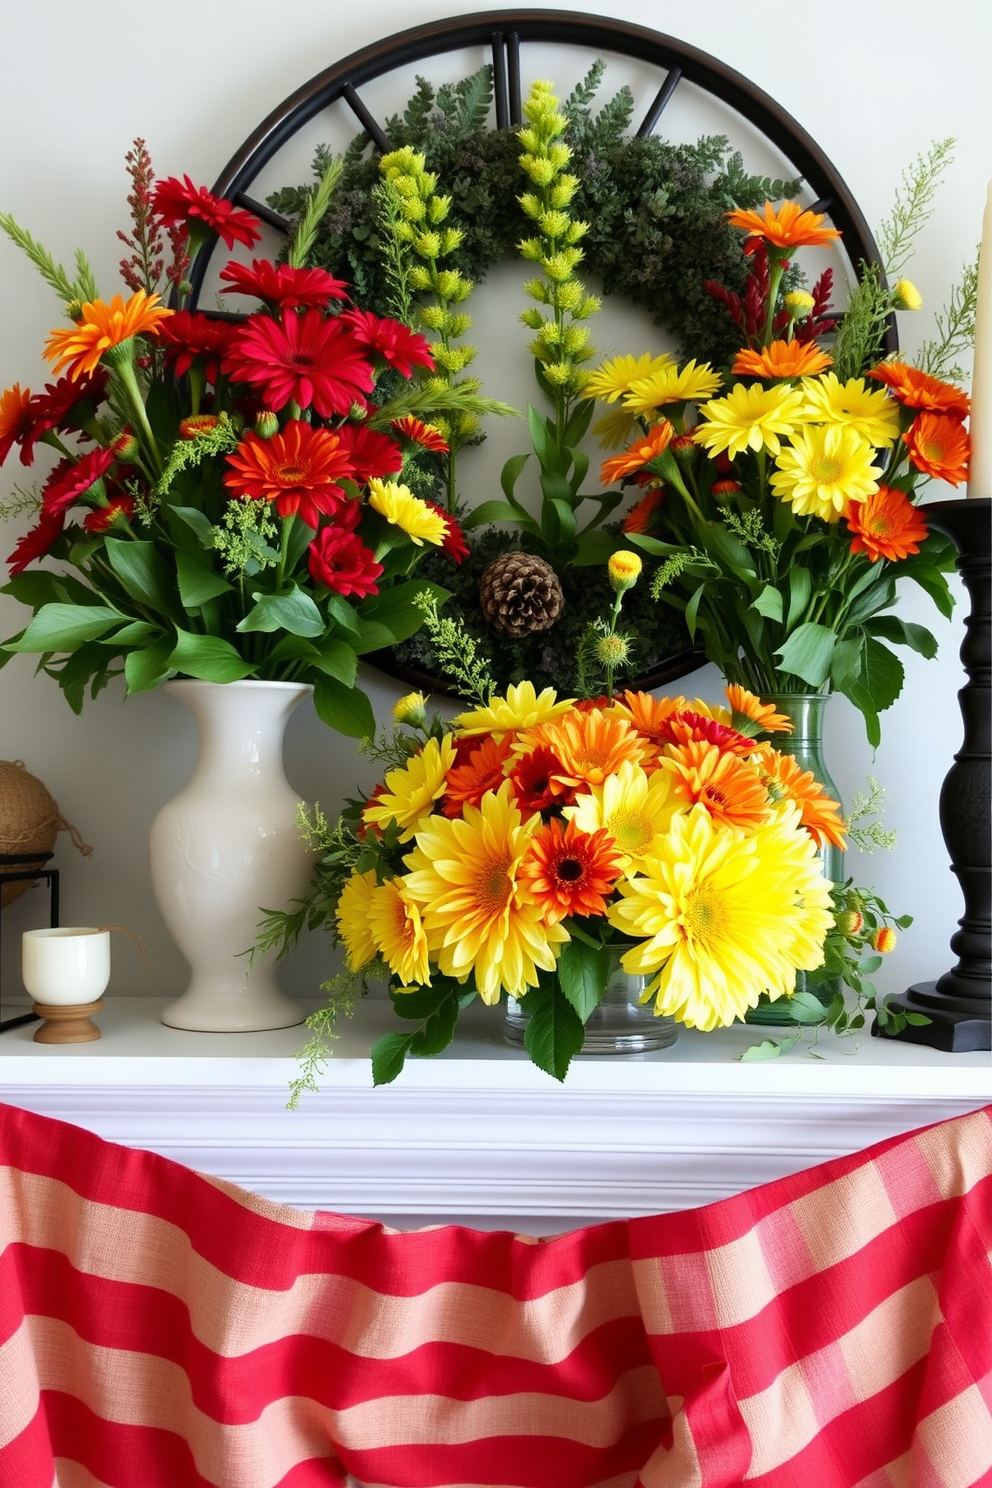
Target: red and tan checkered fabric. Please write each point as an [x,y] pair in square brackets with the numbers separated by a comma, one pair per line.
[161,1330]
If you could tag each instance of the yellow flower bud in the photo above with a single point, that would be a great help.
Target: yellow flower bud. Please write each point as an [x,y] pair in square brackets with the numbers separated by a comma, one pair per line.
[799,303]
[624,569]
[906,296]
[411,710]
[850,922]
[884,940]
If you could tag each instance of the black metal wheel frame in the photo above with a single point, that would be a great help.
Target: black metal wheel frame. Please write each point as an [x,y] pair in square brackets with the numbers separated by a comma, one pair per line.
[504,31]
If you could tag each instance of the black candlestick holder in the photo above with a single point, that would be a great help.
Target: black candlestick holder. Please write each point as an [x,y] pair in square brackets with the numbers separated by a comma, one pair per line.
[959,1004]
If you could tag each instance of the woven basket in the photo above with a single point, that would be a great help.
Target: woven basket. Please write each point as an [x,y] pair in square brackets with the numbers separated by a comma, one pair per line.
[30,821]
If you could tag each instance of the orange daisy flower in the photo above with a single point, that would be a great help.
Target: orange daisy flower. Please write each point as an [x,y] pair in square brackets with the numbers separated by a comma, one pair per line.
[482,771]
[886,525]
[788,227]
[638,519]
[916,389]
[15,417]
[782,359]
[689,727]
[570,872]
[78,349]
[939,446]
[535,783]
[426,435]
[650,716]
[750,716]
[637,455]
[786,780]
[731,791]
[591,746]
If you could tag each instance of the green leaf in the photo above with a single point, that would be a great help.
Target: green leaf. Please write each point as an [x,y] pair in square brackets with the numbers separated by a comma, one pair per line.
[63,627]
[144,670]
[542,435]
[582,971]
[389,1055]
[918,1020]
[508,478]
[807,1009]
[565,521]
[554,1031]
[845,664]
[492,511]
[800,588]
[593,548]
[807,653]
[337,659]
[395,609]
[578,423]
[345,709]
[143,573]
[766,1050]
[293,611]
[207,657]
[903,633]
[727,550]
[879,681]
[135,634]
[768,603]
[370,637]
[197,582]
[197,521]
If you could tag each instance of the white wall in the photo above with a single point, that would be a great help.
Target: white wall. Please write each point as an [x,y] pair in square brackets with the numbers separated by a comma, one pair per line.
[873,84]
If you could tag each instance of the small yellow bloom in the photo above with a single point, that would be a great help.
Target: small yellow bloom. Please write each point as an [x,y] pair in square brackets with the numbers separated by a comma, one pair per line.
[410,792]
[906,295]
[624,569]
[411,710]
[402,509]
[395,922]
[884,940]
[352,915]
[799,303]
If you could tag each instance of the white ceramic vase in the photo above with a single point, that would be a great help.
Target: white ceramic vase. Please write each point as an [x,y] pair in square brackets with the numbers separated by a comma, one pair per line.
[227,847]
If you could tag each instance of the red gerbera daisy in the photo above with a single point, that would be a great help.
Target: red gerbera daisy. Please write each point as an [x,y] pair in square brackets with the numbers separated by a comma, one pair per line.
[65,405]
[453,543]
[570,872]
[71,479]
[370,452]
[687,726]
[420,433]
[938,445]
[886,525]
[482,771]
[298,469]
[284,286]
[535,783]
[37,542]
[118,508]
[306,359]
[916,389]
[182,202]
[191,337]
[402,348]
[342,563]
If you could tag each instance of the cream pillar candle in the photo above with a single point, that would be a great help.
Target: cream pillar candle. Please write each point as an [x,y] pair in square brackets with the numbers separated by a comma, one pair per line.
[980,474]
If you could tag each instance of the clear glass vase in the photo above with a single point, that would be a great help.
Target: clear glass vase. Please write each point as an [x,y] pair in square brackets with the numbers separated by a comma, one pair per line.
[806,712]
[621,1024]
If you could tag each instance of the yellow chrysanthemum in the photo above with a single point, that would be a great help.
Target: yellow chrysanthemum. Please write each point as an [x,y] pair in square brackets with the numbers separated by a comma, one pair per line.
[523,707]
[749,417]
[395,921]
[100,326]
[352,915]
[826,467]
[402,509]
[671,384]
[723,917]
[410,791]
[479,919]
[634,807]
[869,412]
[611,380]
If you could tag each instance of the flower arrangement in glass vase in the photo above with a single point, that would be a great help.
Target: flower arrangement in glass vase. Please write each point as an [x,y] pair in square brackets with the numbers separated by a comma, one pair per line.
[509,853]
[783,508]
[228,500]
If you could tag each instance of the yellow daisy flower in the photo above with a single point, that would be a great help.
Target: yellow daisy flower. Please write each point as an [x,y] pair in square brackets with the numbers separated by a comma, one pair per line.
[750,417]
[479,919]
[411,790]
[634,807]
[611,380]
[870,413]
[672,385]
[402,509]
[522,708]
[615,428]
[395,921]
[826,467]
[724,917]
[352,915]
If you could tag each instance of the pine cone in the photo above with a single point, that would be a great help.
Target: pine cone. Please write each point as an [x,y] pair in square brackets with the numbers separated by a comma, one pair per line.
[520,595]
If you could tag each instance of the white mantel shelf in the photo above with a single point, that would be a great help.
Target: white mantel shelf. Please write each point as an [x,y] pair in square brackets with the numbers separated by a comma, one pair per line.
[478,1135]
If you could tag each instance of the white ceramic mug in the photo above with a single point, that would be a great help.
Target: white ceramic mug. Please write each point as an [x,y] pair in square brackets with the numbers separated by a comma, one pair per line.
[63,966]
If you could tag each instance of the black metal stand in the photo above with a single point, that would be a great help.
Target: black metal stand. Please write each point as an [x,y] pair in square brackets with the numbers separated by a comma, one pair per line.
[959,1004]
[20,868]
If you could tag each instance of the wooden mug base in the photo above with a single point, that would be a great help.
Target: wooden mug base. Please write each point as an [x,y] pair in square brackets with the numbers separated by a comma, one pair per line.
[69,1024]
